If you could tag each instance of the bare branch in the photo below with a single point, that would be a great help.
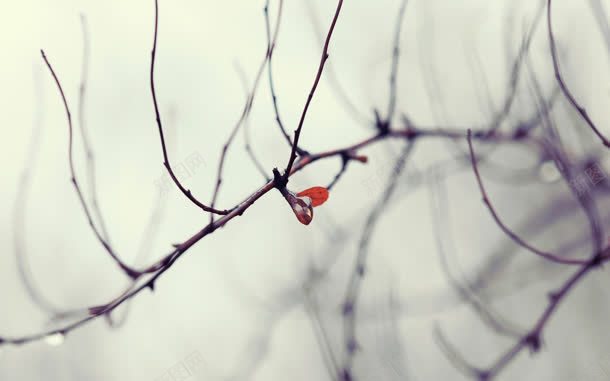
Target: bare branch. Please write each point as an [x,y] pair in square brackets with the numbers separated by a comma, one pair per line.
[518,240]
[564,88]
[297,132]
[533,338]
[246,129]
[350,302]
[271,48]
[395,61]
[90,158]
[245,112]
[166,162]
[128,270]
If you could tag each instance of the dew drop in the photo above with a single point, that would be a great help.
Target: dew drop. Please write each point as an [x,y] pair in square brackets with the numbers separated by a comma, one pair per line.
[548,172]
[55,339]
[303,210]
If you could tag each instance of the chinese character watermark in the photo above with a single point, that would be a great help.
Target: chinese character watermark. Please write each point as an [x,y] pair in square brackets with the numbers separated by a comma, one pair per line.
[183,170]
[585,181]
[191,365]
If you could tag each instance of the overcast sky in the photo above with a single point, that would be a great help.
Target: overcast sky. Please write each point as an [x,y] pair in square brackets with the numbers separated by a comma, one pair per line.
[234,303]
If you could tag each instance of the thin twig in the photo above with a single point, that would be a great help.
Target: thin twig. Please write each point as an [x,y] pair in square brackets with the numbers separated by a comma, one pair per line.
[599,11]
[533,339]
[166,162]
[272,44]
[320,333]
[439,203]
[516,70]
[150,232]
[342,95]
[158,268]
[562,162]
[20,208]
[246,129]
[297,132]
[128,270]
[512,235]
[454,356]
[90,158]
[395,61]
[344,163]
[356,278]
[246,111]
[564,88]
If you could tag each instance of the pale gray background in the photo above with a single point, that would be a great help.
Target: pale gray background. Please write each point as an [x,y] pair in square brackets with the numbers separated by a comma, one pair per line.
[235,297]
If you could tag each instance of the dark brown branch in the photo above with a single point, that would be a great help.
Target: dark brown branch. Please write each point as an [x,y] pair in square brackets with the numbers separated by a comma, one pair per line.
[150,232]
[271,45]
[395,61]
[147,277]
[166,162]
[564,88]
[278,119]
[533,339]
[129,271]
[344,163]
[512,235]
[297,132]
[342,95]
[558,153]
[156,269]
[246,111]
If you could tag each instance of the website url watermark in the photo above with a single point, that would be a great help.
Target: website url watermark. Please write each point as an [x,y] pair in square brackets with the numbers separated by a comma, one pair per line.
[183,170]
[191,365]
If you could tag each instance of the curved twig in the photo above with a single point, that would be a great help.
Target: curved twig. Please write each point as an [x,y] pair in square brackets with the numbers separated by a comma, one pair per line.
[297,132]
[564,88]
[166,162]
[128,270]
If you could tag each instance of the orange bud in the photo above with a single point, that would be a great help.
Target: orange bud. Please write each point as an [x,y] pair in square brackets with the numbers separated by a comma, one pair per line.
[361,158]
[318,195]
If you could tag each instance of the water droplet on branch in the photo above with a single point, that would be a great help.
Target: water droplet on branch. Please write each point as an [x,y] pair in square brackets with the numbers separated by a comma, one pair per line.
[302,203]
[55,339]
[302,208]
[548,172]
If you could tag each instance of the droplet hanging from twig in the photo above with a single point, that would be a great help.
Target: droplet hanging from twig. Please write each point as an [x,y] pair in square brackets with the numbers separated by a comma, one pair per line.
[55,339]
